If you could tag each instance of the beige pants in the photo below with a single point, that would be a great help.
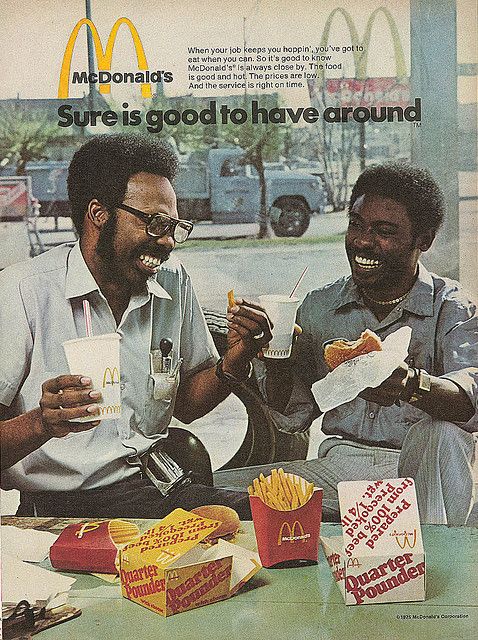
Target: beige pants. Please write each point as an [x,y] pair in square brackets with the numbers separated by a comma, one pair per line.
[437,454]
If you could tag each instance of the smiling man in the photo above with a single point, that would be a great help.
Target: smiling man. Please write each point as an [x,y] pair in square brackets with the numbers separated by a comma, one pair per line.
[124,209]
[420,422]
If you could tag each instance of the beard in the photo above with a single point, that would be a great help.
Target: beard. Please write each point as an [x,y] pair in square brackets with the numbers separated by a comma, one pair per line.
[105,245]
[120,267]
[393,269]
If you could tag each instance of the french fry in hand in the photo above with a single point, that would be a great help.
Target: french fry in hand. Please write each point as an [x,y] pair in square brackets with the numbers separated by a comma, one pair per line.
[282,491]
[230,298]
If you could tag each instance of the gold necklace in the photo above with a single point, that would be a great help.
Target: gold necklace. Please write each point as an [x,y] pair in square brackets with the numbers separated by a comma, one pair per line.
[386,303]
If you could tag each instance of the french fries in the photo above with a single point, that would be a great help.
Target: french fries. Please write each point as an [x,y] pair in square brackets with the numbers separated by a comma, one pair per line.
[230,298]
[282,491]
[122,531]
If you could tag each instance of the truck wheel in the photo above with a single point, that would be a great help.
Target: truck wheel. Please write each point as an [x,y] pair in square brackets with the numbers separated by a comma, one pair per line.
[293,220]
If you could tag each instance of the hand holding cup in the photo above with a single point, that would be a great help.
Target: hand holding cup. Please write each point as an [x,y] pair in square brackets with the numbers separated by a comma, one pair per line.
[250,329]
[64,399]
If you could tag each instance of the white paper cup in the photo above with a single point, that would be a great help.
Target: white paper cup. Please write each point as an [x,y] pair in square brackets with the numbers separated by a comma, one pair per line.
[97,357]
[282,311]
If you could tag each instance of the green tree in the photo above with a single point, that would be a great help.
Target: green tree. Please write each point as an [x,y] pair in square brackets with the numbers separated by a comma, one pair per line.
[262,142]
[185,138]
[25,136]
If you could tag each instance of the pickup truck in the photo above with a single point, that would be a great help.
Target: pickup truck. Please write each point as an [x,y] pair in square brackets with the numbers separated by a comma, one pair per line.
[218,185]
[212,184]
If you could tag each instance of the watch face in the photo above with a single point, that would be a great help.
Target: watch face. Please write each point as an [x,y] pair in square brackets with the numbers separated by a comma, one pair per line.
[424,382]
[424,386]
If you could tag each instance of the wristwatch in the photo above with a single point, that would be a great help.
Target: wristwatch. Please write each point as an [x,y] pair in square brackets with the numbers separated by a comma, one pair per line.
[228,378]
[417,385]
[423,385]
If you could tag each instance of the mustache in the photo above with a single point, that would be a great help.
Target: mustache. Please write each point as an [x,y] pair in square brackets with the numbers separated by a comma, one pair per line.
[364,254]
[368,255]
[161,253]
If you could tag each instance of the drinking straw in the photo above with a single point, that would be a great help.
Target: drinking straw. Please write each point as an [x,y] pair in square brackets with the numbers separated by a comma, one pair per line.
[298,282]
[87,314]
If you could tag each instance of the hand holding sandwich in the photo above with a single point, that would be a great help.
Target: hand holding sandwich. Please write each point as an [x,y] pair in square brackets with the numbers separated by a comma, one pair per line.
[439,397]
[390,390]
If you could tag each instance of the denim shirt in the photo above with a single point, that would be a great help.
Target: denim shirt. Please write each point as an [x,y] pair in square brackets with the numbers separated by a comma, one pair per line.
[43,307]
[444,342]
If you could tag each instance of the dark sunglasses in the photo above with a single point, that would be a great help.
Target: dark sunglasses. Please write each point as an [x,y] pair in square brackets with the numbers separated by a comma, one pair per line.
[159,224]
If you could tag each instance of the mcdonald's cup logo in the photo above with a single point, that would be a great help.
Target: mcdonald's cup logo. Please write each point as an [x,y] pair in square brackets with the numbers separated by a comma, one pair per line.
[104,58]
[111,376]
[292,534]
[111,409]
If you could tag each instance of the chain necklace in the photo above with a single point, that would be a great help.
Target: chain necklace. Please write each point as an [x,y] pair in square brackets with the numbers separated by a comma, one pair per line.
[386,303]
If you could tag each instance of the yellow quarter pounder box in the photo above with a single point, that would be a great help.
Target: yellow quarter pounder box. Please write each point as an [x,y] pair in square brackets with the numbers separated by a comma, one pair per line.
[168,571]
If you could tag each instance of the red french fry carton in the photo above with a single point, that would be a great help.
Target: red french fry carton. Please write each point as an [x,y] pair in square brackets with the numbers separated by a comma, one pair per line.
[91,546]
[284,536]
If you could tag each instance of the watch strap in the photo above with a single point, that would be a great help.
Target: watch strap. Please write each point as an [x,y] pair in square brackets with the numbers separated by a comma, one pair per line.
[410,385]
[229,378]
[422,387]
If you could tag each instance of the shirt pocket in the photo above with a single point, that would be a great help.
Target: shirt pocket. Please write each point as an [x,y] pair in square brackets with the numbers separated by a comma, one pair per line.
[161,391]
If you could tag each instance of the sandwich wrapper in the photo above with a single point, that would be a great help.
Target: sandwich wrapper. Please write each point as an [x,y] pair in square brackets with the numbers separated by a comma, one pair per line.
[344,383]
[380,555]
[286,536]
[168,571]
[91,546]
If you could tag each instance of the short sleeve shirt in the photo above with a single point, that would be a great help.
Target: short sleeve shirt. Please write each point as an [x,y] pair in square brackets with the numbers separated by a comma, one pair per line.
[444,342]
[43,307]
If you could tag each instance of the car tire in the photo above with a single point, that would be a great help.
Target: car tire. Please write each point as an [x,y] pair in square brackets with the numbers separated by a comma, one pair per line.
[293,220]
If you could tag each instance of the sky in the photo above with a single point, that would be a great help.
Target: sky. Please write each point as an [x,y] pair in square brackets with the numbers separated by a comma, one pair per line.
[35,33]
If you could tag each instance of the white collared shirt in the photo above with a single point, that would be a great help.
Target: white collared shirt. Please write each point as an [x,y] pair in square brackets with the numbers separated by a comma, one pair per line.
[42,307]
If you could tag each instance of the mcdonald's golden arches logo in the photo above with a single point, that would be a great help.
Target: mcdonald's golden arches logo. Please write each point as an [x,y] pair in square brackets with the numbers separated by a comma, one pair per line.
[353,562]
[406,539]
[111,376]
[86,528]
[103,57]
[360,47]
[292,534]
[111,409]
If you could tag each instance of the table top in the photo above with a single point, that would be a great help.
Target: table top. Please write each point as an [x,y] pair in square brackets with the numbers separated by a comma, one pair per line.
[299,603]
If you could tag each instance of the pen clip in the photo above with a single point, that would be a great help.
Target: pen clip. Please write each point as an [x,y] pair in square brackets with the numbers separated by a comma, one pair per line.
[177,367]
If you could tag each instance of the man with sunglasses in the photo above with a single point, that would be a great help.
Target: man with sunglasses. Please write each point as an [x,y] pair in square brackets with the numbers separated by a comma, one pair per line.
[124,210]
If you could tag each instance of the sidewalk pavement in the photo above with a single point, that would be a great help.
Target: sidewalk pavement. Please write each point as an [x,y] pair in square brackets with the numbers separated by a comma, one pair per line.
[325,224]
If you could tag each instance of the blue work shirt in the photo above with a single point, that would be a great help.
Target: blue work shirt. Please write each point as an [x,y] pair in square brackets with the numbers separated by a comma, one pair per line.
[42,307]
[444,342]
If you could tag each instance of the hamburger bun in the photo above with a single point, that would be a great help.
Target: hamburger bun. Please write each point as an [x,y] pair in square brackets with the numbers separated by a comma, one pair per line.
[230,523]
[339,351]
